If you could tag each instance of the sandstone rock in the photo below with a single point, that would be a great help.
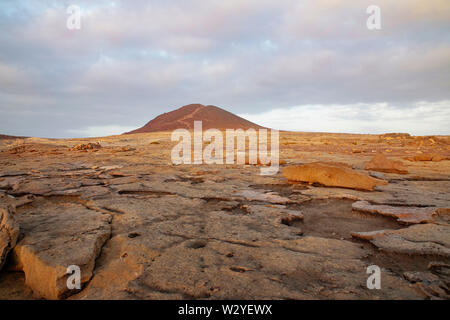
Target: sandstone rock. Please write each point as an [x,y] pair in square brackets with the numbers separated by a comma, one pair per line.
[135,270]
[415,192]
[377,175]
[430,284]
[335,164]
[121,180]
[395,135]
[332,193]
[187,232]
[13,287]
[408,215]
[172,247]
[56,236]
[429,157]
[259,163]
[15,202]
[84,193]
[438,157]
[177,225]
[420,239]
[123,260]
[423,157]
[44,186]
[9,233]
[13,173]
[252,195]
[22,149]
[332,176]
[122,149]
[108,168]
[10,182]
[264,270]
[382,164]
[440,268]
[279,213]
[87,146]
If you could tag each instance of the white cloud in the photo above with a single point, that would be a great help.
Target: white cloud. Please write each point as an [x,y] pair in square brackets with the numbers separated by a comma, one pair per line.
[422,118]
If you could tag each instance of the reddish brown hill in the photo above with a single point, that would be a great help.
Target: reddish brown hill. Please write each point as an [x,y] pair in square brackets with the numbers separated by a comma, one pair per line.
[6,137]
[183,118]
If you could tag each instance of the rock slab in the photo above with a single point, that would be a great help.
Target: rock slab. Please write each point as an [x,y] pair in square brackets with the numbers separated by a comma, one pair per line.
[9,233]
[382,164]
[54,238]
[331,176]
[420,239]
[407,215]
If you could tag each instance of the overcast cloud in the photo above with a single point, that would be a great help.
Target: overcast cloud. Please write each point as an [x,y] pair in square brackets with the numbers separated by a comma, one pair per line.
[288,64]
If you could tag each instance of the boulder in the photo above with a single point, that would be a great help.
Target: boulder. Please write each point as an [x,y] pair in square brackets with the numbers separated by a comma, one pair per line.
[382,164]
[331,176]
[56,236]
[9,233]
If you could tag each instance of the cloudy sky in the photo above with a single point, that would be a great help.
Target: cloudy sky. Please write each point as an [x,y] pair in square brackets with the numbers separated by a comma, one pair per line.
[289,64]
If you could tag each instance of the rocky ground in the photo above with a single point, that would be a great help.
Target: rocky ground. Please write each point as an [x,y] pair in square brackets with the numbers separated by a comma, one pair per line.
[140,227]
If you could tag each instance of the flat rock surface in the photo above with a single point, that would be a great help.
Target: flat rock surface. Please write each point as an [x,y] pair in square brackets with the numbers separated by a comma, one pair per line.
[140,227]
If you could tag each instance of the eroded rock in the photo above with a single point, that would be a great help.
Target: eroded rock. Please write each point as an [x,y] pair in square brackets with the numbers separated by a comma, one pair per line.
[331,176]
[9,232]
[403,214]
[56,236]
[280,214]
[382,164]
[429,157]
[186,232]
[420,239]
[87,146]
[271,197]
[430,284]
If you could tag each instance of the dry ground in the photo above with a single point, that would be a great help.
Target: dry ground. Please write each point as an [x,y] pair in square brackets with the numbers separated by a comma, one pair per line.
[142,228]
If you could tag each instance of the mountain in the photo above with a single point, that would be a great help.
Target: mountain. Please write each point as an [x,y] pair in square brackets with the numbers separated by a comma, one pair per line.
[212,117]
[6,137]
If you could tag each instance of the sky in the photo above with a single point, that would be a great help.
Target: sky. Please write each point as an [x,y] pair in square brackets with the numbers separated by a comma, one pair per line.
[286,64]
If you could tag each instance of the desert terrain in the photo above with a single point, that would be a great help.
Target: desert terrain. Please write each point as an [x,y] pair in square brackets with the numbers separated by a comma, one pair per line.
[140,227]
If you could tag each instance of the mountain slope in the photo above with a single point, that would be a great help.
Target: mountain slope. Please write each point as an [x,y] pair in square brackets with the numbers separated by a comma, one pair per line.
[183,118]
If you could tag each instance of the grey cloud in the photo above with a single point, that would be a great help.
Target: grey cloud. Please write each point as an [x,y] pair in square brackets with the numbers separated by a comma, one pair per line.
[136,59]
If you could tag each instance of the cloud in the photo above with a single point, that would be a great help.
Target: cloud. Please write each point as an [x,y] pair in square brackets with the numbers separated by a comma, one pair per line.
[133,60]
[422,118]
